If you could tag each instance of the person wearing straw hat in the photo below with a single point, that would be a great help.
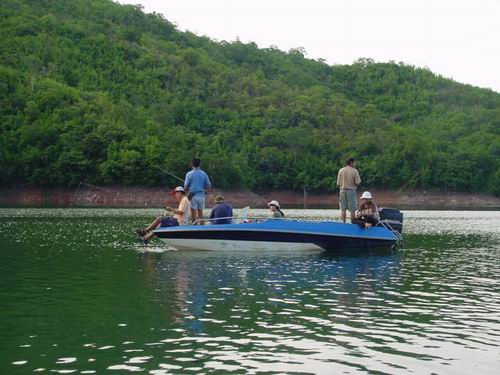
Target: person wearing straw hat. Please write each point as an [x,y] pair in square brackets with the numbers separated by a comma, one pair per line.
[222,212]
[367,213]
[276,212]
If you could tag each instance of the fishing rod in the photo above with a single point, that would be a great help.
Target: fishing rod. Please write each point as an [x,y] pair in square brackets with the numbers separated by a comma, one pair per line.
[73,199]
[167,172]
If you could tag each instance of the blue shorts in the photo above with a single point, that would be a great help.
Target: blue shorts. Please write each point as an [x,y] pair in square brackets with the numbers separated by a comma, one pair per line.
[169,221]
[198,202]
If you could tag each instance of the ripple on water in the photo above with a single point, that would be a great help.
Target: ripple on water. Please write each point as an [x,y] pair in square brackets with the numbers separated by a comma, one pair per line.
[432,307]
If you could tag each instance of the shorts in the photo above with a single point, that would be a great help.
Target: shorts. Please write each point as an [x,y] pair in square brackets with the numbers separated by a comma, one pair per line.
[168,221]
[198,202]
[347,200]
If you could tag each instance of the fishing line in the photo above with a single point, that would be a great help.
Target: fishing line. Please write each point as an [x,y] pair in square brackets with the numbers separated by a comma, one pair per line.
[180,179]
[167,172]
[70,206]
[219,191]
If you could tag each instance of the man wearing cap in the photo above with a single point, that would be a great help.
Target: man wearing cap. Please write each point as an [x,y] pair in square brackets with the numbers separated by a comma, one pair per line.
[348,179]
[222,212]
[196,183]
[181,215]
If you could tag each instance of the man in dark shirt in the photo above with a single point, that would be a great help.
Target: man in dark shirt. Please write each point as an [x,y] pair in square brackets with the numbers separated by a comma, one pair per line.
[222,212]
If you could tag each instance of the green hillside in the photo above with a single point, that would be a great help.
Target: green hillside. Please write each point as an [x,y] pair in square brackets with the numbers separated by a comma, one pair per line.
[102,93]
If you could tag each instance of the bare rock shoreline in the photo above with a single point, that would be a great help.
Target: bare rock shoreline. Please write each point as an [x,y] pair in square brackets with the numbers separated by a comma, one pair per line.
[120,196]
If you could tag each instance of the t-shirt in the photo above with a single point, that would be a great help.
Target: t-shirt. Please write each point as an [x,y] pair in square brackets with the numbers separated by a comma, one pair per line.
[196,181]
[184,207]
[221,210]
[348,178]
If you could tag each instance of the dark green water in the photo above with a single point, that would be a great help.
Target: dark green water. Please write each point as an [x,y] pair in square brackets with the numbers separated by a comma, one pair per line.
[79,295]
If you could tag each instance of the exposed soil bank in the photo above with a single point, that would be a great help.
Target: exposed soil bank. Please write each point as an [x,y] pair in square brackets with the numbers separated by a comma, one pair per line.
[119,196]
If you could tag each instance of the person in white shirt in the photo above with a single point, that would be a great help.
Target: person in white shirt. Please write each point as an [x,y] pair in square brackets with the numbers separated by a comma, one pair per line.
[180,215]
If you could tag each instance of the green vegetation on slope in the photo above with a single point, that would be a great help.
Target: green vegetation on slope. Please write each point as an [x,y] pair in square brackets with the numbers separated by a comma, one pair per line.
[99,92]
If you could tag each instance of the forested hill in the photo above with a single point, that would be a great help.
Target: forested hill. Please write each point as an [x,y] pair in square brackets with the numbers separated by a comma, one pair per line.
[102,93]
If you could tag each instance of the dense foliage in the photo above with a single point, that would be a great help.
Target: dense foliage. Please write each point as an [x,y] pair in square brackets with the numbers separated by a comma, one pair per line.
[103,93]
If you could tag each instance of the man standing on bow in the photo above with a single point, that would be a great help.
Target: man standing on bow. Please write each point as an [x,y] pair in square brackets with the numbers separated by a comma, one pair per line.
[348,179]
[196,183]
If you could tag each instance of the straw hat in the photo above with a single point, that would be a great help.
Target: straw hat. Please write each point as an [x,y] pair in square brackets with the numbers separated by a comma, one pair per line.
[274,203]
[219,199]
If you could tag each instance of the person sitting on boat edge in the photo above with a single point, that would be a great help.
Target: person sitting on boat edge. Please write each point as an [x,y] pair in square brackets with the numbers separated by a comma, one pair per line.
[222,212]
[276,212]
[180,217]
[367,213]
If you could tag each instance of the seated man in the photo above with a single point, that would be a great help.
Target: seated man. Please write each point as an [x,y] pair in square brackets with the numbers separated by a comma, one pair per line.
[275,210]
[367,214]
[180,217]
[221,212]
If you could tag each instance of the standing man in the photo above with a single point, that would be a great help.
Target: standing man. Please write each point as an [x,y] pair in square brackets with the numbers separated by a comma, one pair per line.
[348,179]
[196,183]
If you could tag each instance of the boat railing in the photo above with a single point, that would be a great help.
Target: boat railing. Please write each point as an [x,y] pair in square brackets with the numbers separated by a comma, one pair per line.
[234,220]
[387,225]
[257,219]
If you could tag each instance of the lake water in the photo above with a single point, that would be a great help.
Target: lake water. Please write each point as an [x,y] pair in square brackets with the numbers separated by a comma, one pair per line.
[79,295]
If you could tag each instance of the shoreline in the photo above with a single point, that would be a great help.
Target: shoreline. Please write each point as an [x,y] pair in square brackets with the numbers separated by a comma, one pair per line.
[150,197]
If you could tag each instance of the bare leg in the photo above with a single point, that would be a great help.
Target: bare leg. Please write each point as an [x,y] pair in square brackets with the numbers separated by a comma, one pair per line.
[200,216]
[342,216]
[148,235]
[153,225]
[352,215]
[194,214]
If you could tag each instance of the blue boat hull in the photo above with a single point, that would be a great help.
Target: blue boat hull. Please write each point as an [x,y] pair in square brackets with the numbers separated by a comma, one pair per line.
[277,235]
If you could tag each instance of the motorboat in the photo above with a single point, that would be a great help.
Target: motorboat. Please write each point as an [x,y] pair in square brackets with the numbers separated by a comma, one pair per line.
[282,234]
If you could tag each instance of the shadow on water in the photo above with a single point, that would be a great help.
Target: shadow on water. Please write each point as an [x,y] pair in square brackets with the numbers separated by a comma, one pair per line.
[360,252]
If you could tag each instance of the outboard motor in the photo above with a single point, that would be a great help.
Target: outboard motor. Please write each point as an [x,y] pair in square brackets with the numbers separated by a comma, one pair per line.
[392,217]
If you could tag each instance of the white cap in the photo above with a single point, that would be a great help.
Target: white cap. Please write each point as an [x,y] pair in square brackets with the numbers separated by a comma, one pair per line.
[274,203]
[178,188]
[366,195]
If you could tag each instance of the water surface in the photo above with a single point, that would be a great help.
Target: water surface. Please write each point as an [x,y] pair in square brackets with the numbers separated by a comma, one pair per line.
[78,294]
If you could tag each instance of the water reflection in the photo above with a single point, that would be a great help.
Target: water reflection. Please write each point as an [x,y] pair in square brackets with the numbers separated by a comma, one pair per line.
[311,311]
[258,288]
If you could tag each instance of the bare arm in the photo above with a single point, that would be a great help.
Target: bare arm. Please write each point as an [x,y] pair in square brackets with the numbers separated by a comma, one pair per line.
[174,210]
[357,179]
